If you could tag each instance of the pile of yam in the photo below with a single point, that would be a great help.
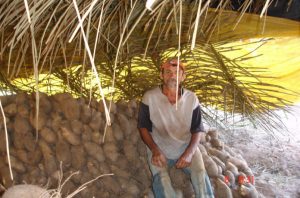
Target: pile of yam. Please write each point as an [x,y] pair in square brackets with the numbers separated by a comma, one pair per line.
[67,137]
[229,172]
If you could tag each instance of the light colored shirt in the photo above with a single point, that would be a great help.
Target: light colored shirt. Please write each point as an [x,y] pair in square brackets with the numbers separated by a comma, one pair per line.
[171,127]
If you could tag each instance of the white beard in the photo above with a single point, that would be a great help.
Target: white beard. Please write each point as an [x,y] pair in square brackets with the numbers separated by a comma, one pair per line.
[171,83]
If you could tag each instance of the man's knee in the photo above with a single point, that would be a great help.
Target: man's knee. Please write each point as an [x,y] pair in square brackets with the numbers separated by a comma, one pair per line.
[197,167]
[162,186]
[197,164]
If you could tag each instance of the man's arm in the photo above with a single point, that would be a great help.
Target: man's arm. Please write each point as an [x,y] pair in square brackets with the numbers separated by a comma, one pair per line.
[196,129]
[186,158]
[145,126]
[158,158]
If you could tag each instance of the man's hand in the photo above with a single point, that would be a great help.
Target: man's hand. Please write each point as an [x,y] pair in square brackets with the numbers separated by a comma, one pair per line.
[184,160]
[158,158]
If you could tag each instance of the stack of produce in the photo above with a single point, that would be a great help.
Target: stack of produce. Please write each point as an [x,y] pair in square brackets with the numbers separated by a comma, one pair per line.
[70,133]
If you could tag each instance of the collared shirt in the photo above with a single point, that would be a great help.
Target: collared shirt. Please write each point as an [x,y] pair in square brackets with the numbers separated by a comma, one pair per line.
[171,129]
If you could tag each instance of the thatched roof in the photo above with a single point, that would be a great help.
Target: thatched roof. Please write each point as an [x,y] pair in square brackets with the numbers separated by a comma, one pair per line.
[128,43]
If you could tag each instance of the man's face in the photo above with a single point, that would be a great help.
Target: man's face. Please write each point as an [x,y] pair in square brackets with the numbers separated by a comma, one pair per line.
[169,76]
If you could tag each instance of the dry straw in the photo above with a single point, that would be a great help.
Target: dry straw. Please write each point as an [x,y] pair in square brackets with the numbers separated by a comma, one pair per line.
[57,193]
[126,38]
[92,63]
[7,142]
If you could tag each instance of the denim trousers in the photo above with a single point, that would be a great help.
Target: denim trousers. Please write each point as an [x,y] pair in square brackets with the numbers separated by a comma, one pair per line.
[161,182]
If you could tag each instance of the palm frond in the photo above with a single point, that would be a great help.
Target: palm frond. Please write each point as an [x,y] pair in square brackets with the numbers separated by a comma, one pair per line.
[128,43]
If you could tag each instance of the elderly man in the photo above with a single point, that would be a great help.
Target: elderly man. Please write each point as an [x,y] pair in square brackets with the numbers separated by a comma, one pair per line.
[172,135]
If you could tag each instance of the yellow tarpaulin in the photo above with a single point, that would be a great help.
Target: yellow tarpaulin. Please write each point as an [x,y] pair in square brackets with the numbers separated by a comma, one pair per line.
[280,55]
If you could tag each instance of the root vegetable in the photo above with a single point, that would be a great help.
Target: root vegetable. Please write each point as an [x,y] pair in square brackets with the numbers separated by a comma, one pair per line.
[219,162]
[129,150]
[17,142]
[217,144]
[123,163]
[249,191]
[220,171]
[76,177]
[10,109]
[40,122]
[141,147]
[221,189]
[96,137]
[29,142]
[111,151]
[34,157]
[77,127]
[17,165]
[104,168]
[229,150]
[94,151]
[117,132]
[232,168]
[26,191]
[207,146]
[92,166]
[45,103]
[86,114]
[68,188]
[21,125]
[5,176]
[90,191]
[133,189]
[69,136]
[124,123]
[210,166]
[48,135]
[97,121]
[207,138]
[86,134]
[248,171]
[222,178]
[236,193]
[220,154]
[202,138]
[2,141]
[241,177]
[63,153]
[113,106]
[134,137]
[177,176]
[231,178]
[213,133]
[69,107]
[202,149]
[111,184]
[46,150]
[119,172]
[248,176]
[240,164]
[109,136]
[85,177]
[50,164]
[23,110]
[22,155]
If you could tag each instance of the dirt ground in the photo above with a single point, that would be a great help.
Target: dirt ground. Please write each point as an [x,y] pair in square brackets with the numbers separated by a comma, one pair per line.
[275,161]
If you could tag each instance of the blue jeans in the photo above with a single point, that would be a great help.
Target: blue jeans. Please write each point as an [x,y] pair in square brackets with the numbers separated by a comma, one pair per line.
[161,182]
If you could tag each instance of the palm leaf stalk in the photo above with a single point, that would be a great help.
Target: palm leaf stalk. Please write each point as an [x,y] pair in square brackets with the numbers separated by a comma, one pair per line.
[129,43]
